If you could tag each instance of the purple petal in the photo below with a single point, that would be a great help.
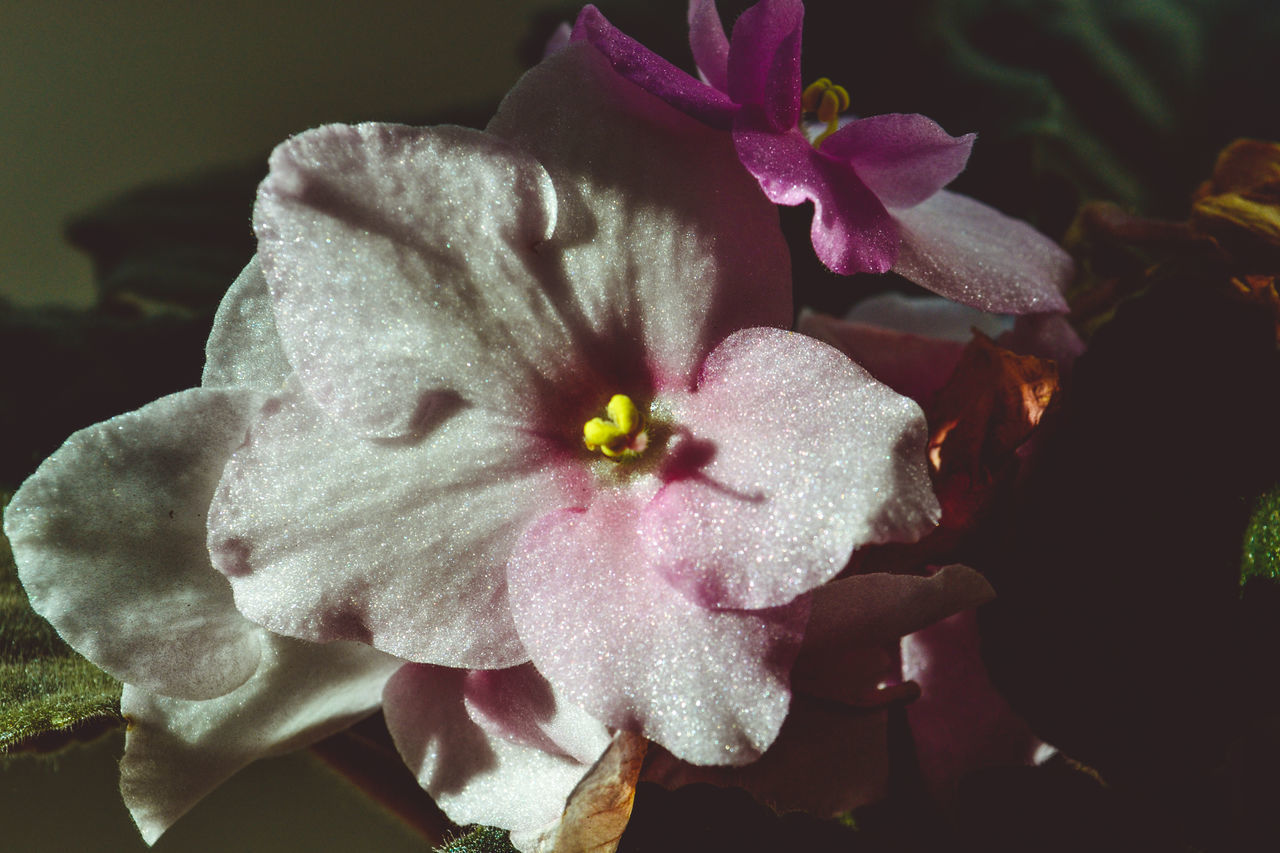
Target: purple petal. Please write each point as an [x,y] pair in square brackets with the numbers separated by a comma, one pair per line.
[177,751]
[708,42]
[108,539]
[473,767]
[616,639]
[966,251]
[960,723]
[402,545]
[764,61]
[384,245]
[851,232]
[665,244]
[655,75]
[798,457]
[902,157]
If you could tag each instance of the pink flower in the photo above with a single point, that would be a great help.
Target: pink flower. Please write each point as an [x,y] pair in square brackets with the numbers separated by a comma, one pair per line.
[457,307]
[876,183]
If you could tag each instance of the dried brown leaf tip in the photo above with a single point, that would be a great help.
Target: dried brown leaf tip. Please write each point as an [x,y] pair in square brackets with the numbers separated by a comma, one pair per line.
[987,410]
[1240,204]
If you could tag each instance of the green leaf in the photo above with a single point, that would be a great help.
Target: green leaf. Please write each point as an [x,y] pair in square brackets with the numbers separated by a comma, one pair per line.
[49,695]
[480,839]
[1261,557]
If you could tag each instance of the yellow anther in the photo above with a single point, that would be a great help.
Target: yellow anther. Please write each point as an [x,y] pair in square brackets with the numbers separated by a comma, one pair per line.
[619,436]
[827,101]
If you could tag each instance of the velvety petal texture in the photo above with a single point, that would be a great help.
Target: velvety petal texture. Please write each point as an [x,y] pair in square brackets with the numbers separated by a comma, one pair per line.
[387,309]
[664,245]
[178,751]
[806,458]
[497,748]
[966,251]
[875,183]
[327,536]
[902,158]
[607,629]
[642,66]
[108,536]
[709,44]
[852,231]
[243,350]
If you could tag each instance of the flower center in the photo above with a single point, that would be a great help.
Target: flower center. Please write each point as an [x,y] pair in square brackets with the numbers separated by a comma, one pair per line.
[620,435]
[827,100]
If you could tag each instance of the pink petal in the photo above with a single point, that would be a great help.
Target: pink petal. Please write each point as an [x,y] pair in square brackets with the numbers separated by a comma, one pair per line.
[614,638]
[913,365]
[402,545]
[903,157]
[852,231]
[384,247]
[177,751]
[473,768]
[244,349]
[764,62]
[871,610]
[827,760]
[635,62]
[971,253]
[108,536]
[708,42]
[960,723]
[797,458]
[664,243]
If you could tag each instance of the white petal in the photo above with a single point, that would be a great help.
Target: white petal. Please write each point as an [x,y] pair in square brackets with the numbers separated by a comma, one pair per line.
[400,544]
[488,770]
[405,262]
[109,540]
[177,751]
[668,244]
[244,348]
[964,250]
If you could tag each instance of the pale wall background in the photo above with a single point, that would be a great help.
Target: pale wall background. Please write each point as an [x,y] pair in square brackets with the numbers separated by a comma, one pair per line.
[98,97]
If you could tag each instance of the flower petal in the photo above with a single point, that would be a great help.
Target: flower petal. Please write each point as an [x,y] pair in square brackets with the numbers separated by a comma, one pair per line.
[108,536]
[852,231]
[664,243]
[178,751]
[964,250]
[383,244]
[764,61]
[709,44]
[797,457]
[616,639]
[244,348]
[470,764]
[401,545]
[828,759]
[903,157]
[876,609]
[913,365]
[635,62]
[960,723]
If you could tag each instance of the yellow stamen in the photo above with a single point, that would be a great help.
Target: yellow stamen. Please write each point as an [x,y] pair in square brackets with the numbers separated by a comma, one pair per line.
[827,101]
[621,435]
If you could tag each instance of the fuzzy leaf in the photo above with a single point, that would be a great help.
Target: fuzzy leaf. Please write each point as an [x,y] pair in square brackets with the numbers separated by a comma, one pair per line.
[48,694]
[1262,539]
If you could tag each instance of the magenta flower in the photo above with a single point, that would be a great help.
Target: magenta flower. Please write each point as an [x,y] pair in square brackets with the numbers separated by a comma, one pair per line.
[875,183]
[541,410]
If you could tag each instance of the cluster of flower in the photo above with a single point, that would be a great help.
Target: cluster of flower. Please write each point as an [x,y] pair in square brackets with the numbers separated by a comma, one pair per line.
[503,433]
